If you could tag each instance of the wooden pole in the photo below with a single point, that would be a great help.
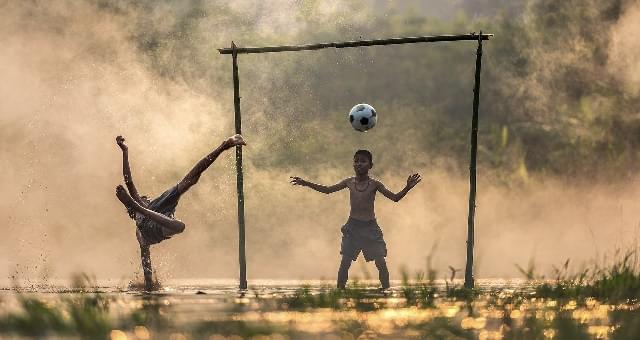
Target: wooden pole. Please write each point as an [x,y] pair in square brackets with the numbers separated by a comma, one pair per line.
[468,274]
[356,43]
[239,181]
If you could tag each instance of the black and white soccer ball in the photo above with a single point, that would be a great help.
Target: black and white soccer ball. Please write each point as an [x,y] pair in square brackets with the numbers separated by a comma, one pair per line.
[363,117]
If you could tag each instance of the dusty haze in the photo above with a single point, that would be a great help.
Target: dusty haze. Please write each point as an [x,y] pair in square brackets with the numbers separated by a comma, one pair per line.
[73,78]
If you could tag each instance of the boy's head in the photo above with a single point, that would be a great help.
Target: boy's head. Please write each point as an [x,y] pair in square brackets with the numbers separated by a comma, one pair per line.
[362,162]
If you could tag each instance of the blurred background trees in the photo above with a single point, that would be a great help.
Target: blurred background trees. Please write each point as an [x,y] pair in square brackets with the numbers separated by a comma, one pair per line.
[551,101]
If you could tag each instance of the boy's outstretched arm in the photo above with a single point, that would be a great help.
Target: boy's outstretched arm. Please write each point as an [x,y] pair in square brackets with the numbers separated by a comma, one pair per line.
[126,171]
[319,187]
[411,182]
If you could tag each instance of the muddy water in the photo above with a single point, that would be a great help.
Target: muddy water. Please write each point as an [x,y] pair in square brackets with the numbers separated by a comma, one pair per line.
[216,309]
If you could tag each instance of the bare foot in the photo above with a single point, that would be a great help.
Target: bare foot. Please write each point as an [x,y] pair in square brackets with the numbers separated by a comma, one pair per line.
[121,144]
[125,198]
[235,140]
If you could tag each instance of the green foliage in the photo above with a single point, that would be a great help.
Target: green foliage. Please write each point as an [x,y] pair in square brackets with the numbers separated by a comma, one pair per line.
[304,298]
[616,283]
[84,315]
[568,328]
[420,292]
[88,314]
[354,296]
[443,328]
[229,328]
[36,319]
[550,102]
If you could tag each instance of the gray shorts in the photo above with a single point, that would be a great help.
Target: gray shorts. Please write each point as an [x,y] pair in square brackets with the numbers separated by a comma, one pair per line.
[164,204]
[365,236]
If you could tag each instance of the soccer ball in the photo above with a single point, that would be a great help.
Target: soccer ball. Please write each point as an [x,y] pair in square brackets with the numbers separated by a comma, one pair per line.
[363,117]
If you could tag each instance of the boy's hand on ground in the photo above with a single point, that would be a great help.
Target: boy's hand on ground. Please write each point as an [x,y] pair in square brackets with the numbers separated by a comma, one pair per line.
[413,180]
[297,181]
[235,140]
[121,144]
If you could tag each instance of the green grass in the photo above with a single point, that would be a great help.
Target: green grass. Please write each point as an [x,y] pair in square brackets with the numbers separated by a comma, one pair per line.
[85,315]
[443,328]
[354,296]
[420,292]
[84,312]
[617,283]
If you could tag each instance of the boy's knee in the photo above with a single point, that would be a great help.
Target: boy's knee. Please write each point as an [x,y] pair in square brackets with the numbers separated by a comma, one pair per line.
[180,226]
[177,227]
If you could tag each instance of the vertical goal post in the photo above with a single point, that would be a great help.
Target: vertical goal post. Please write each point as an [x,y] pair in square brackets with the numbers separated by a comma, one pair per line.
[234,51]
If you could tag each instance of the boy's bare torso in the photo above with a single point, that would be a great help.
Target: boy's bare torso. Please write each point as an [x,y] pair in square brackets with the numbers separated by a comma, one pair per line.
[362,188]
[362,195]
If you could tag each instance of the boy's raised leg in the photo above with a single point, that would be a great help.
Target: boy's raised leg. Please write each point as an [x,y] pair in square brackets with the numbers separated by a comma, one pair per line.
[343,272]
[383,272]
[194,175]
[167,222]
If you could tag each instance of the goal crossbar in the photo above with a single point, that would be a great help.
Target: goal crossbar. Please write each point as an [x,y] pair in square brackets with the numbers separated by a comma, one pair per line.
[356,43]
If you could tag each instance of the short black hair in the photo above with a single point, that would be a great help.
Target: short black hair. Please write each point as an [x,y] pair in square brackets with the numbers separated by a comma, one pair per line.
[365,153]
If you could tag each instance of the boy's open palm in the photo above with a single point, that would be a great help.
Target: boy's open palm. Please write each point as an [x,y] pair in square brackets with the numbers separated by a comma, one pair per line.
[413,180]
[296,180]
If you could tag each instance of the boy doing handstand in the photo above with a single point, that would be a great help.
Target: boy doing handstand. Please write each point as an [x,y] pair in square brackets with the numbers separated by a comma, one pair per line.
[155,221]
[361,232]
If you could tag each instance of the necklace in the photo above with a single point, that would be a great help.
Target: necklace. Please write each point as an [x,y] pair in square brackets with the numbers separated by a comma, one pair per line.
[356,186]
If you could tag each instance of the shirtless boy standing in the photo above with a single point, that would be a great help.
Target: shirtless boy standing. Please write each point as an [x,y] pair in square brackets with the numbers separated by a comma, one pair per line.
[155,221]
[361,232]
